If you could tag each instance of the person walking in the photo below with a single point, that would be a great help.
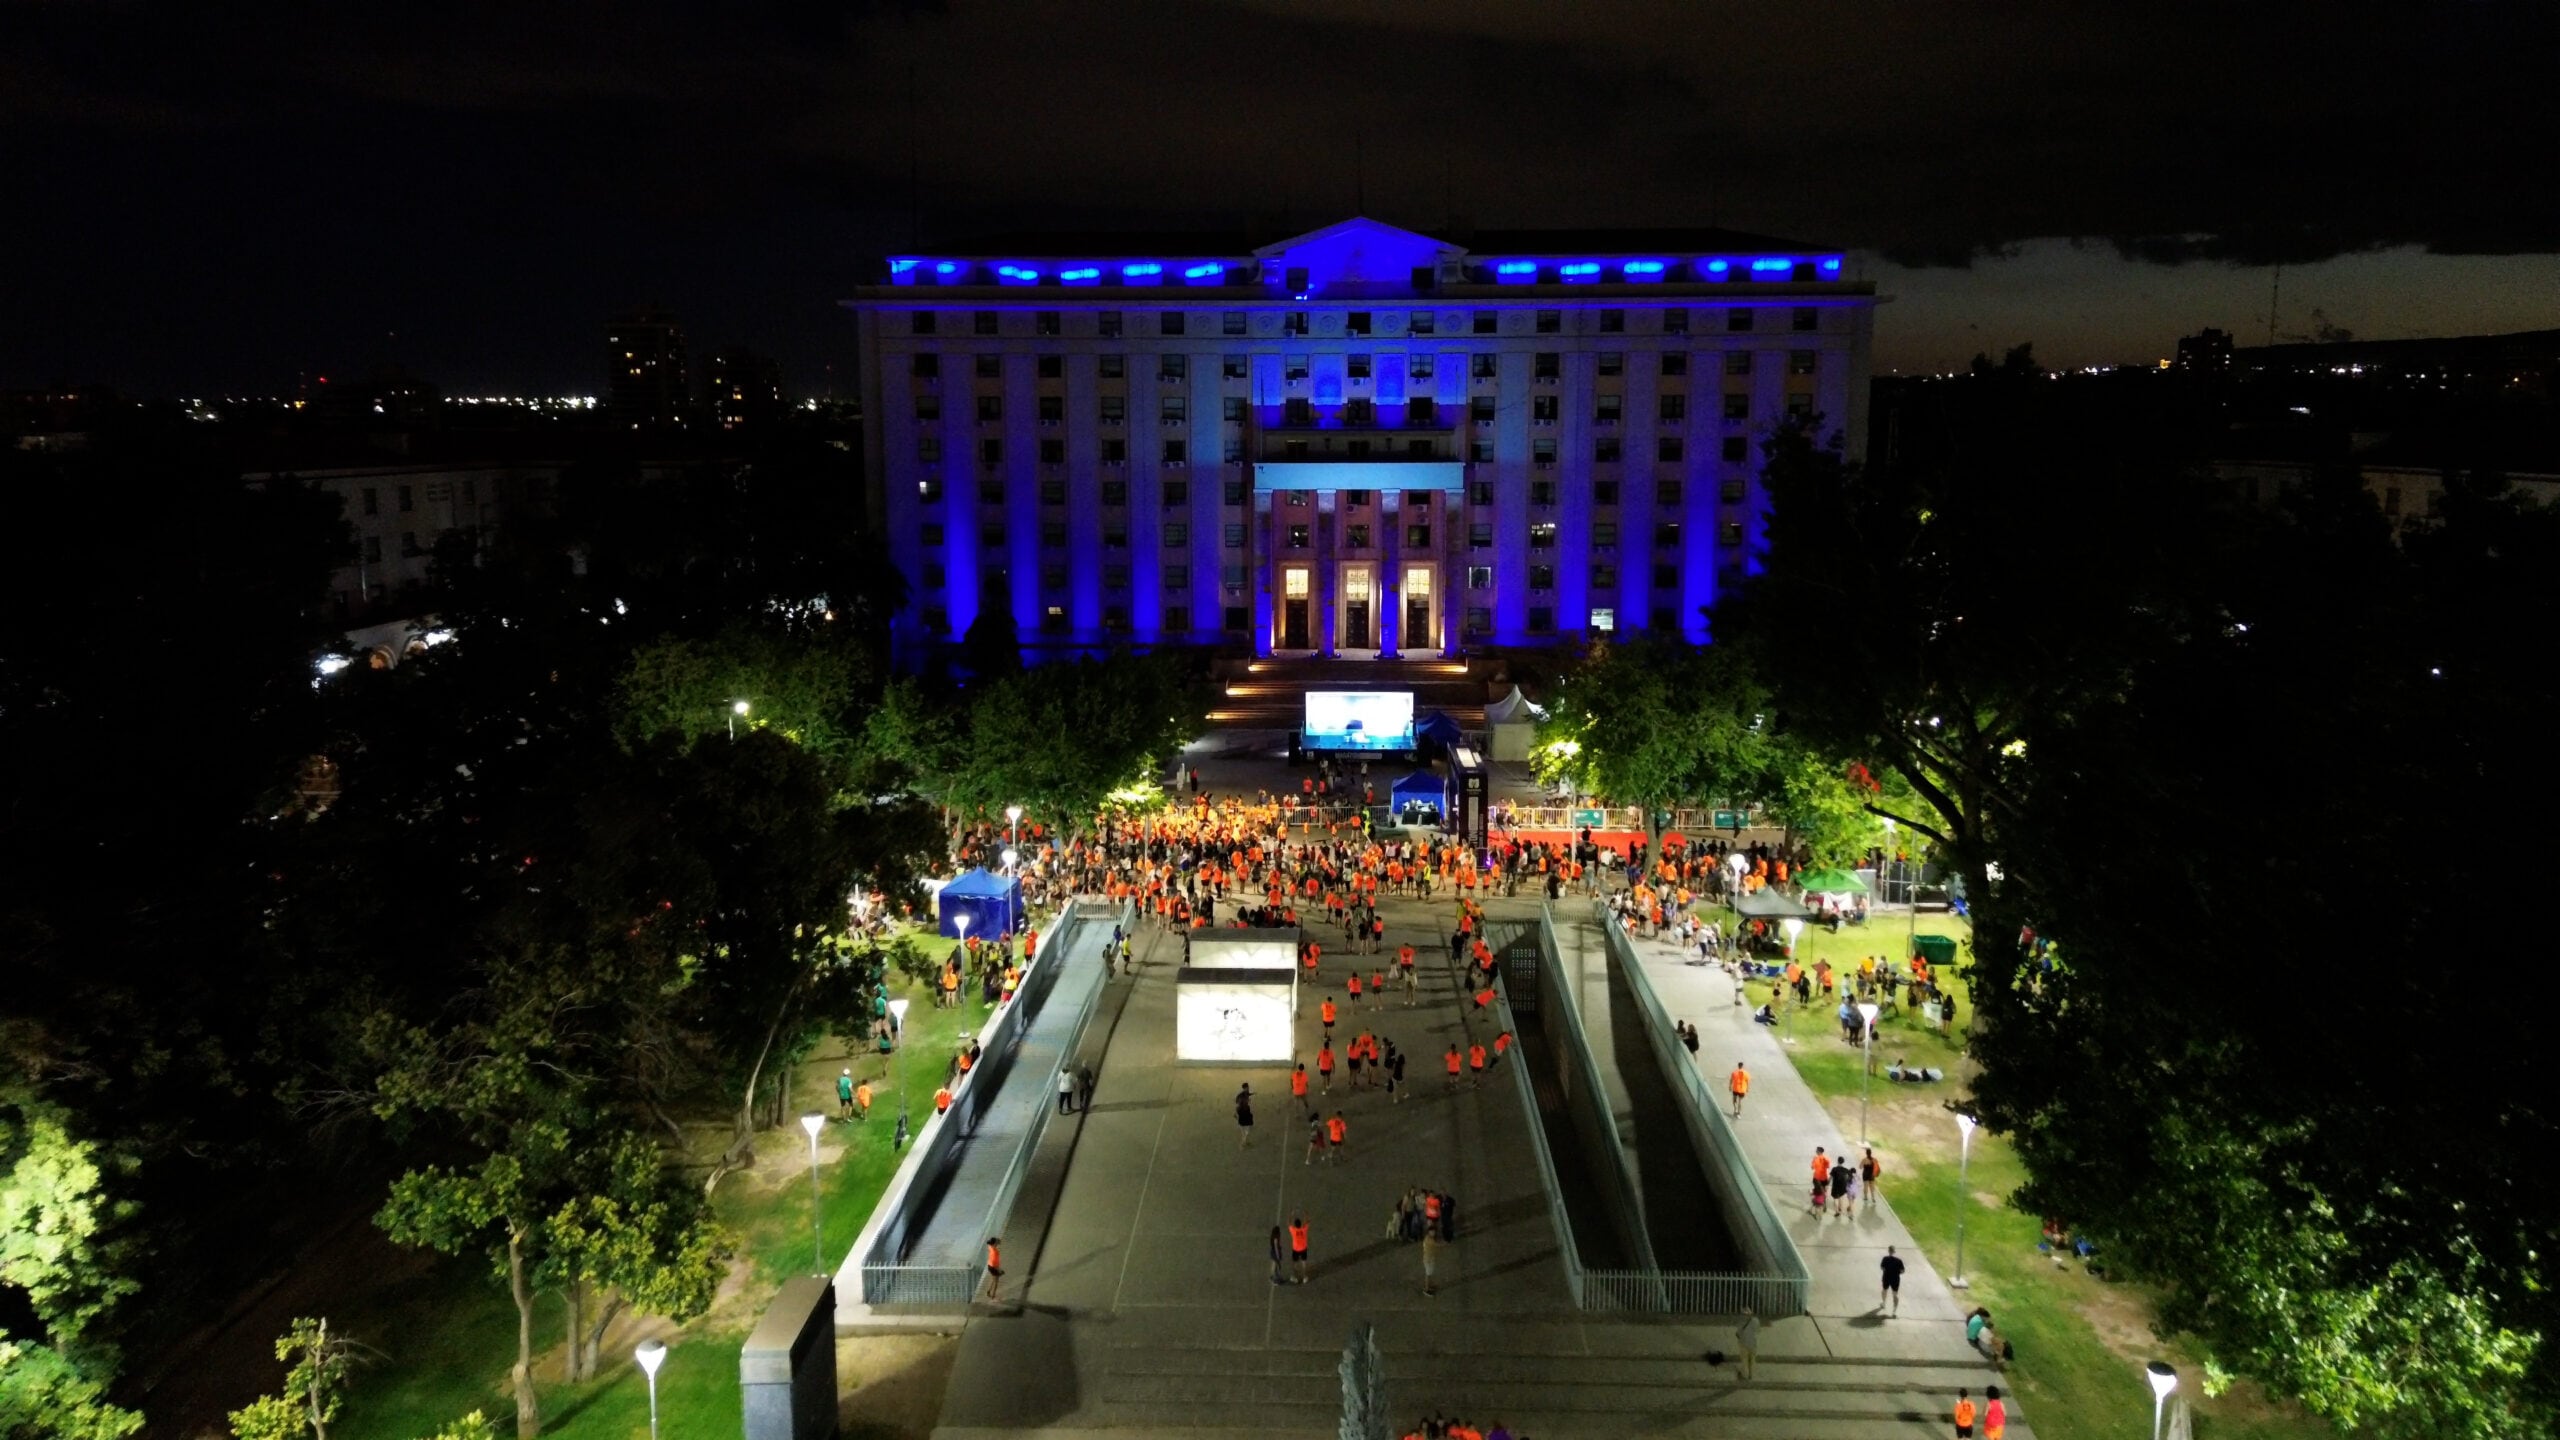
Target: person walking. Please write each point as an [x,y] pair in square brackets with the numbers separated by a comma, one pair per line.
[862,1101]
[1244,1117]
[1324,1065]
[994,1288]
[1279,1255]
[1084,1087]
[1869,1170]
[1746,1338]
[1841,1174]
[1430,1256]
[1066,1090]
[1995,1414]
[1315,1136]
[1892,1267]
[1336,1131]
[1455,1062]
[844,1095]
[1964,1414]
[1740,1085]
[1821,1178]
[1298,1246]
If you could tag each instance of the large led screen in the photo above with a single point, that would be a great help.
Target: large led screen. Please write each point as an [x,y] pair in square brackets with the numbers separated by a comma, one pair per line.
[1359,720]
[1230,1016]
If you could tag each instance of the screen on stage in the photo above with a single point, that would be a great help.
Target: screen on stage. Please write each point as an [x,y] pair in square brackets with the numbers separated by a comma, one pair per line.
[1359,720]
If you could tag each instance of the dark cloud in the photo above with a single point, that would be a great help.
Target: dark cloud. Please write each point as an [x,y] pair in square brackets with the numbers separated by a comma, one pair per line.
[478,176]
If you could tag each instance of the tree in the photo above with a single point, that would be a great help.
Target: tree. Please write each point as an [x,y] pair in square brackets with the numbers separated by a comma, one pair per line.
[64,1265]
[636,1240]
[1654,721]
[314,1386]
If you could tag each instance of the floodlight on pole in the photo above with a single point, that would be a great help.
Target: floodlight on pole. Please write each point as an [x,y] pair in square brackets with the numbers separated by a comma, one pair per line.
[813,1122]
[2163,1379]
[1964,1156]
[1011,855]
[1867,1011]
[651,1354]
[1013,817]
[737,712]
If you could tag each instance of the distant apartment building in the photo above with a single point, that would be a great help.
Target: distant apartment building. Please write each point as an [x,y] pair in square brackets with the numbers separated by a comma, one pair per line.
[1357,441]
[646,386]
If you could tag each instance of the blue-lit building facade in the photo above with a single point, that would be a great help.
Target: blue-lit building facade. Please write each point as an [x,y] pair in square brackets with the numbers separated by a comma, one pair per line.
[1359,441]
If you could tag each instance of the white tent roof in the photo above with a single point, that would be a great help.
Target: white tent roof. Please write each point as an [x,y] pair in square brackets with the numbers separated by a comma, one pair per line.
[1511,707]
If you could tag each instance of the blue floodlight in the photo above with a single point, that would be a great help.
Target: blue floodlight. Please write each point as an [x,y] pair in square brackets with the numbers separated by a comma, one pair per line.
[947,267]
[1516,267]
[901,267]
[1769,263]
[1644,267]
[1718,267]
[1086,273]
[1831,266]
[1213,270]
[1018,274]
[1140,272]
[1583,270]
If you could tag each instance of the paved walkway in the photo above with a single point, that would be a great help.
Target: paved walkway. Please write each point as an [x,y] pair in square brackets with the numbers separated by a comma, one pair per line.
[1781,1124]
[956,1231]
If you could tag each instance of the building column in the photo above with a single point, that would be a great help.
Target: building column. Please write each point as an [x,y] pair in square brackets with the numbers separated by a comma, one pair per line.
[1326,586]
[1388,593]
[1259,566]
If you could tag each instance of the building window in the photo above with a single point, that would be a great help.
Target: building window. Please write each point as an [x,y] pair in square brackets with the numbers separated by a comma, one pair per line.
[991,450]
[1550,322]
[1114,366]
[1176,492]
[408,499]
[1807,318]
[1417,537]
[1297,410]
[1480,367]
[990,366]
[1799,407]
[925,366]
[1732,492]
[1357,367]
[1548,365]
[1613,322]
[1604,492]
[984,322]
[1422,322]
[1666,492]
[1053,536]
[2391,500]
[1482,322]
[1420,412]
[1234,493]
[990,408]
[991,492]
[1045,323]
[1052,367]
[1356,322]
[1176,535]
[1673,408]
[920,323]
[1238,619]
[1298,537]
[1107,324]
[1675,362]
[1355,537]
[1542,450]
[933,574]
[1613,362]
[1231,367]
[1604,532]
[1479,409]
[1480,577]
[1480,535]
[1234,536]
[1169,323]
[1542,619]
[1115,452]
[372,501]
[1604,577]
[1172,410]
[1231,323]
[1114,409]
[1605,450]
[1666,577]
[1736,449]
[1543,409]
[929,492]
[1481,452]
[1053,492]
[1666,535]
[1737,362]
[1542,536]
[1737,407]
[1294,323]
[1053,452]
[1667,448]
[1174,454]
[1731,532]
[928,409]
[1675,322]
[1479,620]
[1177,577]
[1115,492]
[1737,320]
[1542,492]
[1605,408]
[1418,366]
[1802,362]
[1294,369]
[930,534]
[1604,619]
[1173,367]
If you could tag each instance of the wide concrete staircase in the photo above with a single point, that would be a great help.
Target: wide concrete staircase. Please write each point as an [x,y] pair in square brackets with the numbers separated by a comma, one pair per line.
[1269,694]
[1165,1387]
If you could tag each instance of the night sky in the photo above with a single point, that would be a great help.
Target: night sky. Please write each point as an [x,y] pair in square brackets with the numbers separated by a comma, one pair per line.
[199,205]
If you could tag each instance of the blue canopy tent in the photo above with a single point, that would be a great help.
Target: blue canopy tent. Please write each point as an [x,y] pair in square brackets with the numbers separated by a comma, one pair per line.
[1422,788]
[993,904]
[1437,728]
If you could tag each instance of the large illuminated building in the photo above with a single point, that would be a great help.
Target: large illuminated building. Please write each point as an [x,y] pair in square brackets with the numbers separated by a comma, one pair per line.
[1358,441]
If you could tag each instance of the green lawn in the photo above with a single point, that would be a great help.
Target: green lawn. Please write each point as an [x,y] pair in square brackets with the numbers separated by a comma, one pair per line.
[2081,1339]
[448,1336]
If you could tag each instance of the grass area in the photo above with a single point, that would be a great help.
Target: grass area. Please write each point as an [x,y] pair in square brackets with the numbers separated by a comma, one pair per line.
[2081,1339]
[448,1331]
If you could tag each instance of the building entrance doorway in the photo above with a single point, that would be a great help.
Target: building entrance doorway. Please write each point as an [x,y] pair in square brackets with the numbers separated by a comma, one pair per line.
[1293,609]
[1418,632]
[1356,611]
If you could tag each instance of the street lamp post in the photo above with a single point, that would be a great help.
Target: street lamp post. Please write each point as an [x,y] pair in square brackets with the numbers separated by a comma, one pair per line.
[1011,856]
[651,1354]
[737,710]
[1013,818]
[1964,1157]
[2163,1379]
[813,1122]
[1867,1011]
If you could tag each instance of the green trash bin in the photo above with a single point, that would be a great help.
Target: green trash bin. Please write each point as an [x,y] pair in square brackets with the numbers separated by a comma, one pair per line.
[1938,950]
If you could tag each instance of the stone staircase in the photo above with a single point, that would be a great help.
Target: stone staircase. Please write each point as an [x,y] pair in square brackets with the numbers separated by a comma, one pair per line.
[1218,1393]
[1269,694]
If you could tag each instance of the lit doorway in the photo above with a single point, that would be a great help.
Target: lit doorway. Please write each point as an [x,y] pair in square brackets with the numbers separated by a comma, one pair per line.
[1420,633]
[1293,608]
[1357,610]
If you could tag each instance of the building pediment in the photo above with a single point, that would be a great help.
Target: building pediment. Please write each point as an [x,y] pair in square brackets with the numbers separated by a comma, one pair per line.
[1357,251]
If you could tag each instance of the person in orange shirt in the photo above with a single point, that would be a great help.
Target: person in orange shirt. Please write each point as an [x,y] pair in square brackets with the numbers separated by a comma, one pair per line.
[1298,1082]
[1325,1012]
[1475,1059]
[1821,1179]
[1740,1085]
[942,1101]
[995,1269]
[1454,1063]
[1335,1133]
[1964,1414]
[1324,1066]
